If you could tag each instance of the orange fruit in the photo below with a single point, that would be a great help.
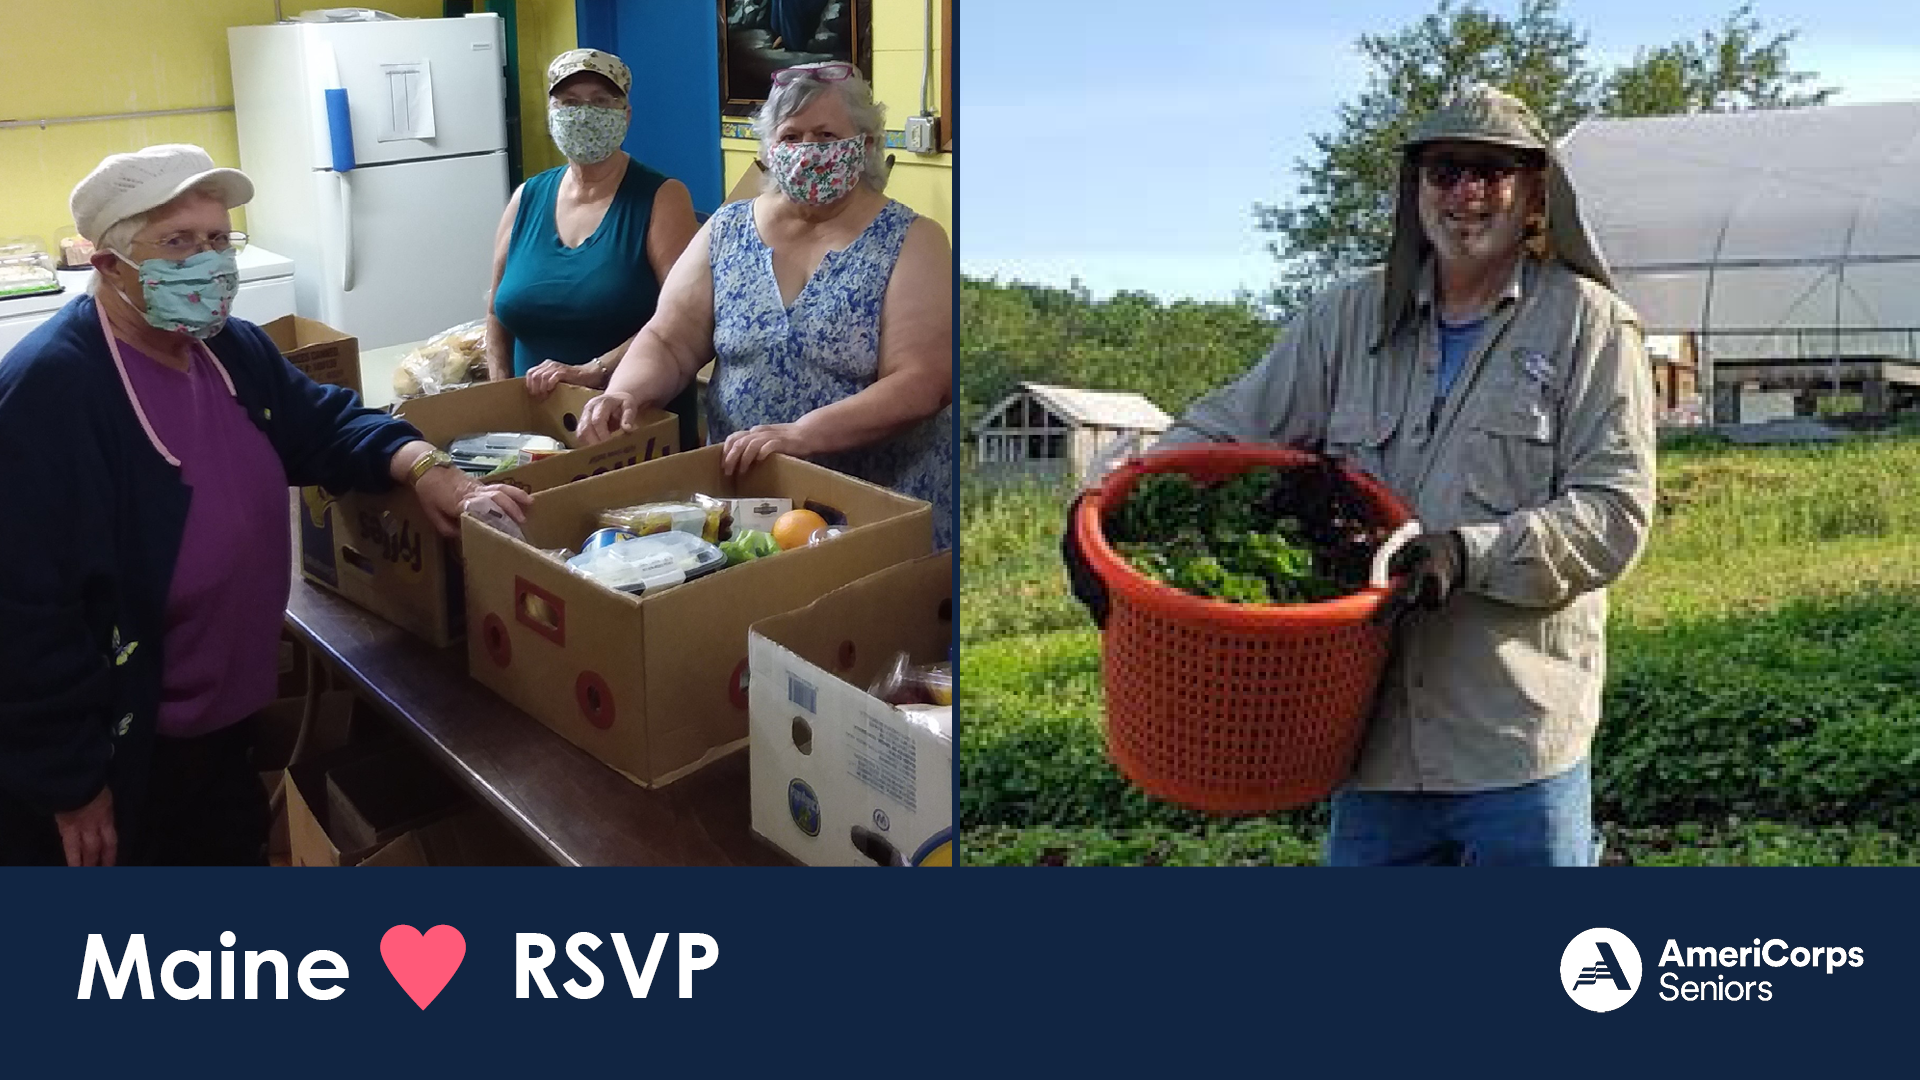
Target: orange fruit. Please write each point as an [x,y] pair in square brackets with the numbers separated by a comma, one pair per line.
[793,528]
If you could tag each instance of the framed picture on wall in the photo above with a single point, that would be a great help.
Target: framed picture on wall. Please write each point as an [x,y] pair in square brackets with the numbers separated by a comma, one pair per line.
[759,37]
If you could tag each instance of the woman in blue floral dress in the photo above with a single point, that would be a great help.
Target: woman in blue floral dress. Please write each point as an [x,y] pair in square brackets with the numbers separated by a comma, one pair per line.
[826,305]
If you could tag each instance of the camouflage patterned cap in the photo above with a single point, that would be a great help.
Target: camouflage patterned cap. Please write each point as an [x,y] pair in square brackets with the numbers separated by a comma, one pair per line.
[603,64]
[1482,114]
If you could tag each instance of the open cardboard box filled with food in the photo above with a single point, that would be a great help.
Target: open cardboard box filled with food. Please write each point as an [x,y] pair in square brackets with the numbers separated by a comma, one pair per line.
[652,680]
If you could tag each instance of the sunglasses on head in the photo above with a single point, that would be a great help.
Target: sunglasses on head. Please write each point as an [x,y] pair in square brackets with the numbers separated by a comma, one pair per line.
[832,72]
[1443,171]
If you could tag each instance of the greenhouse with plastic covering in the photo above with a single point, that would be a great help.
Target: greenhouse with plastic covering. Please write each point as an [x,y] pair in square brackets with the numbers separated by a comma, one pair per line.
[1773,256]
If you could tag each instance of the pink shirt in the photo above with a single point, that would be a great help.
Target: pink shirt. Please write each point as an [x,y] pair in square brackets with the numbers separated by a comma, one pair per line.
[230,582]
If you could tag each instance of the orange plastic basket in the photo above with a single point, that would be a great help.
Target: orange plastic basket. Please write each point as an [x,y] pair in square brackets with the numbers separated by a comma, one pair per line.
[1236,708]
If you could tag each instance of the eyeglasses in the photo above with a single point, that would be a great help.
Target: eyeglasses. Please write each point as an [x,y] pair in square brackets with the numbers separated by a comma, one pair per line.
[832,72]
[1443,171]
[183,246]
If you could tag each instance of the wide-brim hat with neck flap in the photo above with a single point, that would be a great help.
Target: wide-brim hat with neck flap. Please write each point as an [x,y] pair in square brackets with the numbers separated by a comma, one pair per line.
[1482,114]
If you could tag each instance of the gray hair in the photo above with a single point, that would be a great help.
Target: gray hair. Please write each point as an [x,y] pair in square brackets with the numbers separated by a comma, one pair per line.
[118,237]
[869,117]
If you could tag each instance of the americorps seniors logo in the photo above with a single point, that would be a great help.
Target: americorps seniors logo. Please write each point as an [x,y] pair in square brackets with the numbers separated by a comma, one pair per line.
[1600,969]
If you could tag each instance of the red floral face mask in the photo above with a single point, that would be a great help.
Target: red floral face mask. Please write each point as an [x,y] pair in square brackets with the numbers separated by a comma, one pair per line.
[818,173]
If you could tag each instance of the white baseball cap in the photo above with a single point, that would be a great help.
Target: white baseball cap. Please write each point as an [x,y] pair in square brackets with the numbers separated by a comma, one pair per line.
[127,184]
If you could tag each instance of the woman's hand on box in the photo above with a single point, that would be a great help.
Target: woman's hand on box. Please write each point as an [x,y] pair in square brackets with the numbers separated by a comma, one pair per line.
[551,373]
[612,413]
[443,491]
[753,444]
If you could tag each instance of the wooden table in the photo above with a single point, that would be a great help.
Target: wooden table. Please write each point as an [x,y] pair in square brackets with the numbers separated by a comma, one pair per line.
[578,811]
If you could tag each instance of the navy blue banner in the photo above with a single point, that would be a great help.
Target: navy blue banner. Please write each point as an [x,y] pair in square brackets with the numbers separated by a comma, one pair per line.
[911,973]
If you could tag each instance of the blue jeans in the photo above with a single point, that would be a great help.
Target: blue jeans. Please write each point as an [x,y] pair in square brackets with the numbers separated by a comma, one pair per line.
[1545,823]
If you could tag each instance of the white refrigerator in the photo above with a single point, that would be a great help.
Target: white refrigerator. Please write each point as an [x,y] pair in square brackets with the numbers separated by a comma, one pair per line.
[378,157]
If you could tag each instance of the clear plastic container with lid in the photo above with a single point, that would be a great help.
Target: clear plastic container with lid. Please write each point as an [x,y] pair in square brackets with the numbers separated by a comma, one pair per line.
[75,250]
[25,268]
[478,455]
[646,564]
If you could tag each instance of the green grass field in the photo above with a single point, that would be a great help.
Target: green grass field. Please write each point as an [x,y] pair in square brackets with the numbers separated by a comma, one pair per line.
[1762,705]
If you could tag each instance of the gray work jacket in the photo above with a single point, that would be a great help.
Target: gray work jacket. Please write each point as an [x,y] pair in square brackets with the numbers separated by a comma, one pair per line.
[1542,456]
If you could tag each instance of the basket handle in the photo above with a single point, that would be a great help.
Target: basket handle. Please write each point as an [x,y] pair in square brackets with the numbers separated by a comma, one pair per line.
[1383,558]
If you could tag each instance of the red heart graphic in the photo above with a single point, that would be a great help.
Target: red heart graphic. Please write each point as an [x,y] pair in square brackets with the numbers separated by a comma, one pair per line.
[423,964]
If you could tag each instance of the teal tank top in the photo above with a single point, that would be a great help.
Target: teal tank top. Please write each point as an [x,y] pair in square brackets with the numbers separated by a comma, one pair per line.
[575,304]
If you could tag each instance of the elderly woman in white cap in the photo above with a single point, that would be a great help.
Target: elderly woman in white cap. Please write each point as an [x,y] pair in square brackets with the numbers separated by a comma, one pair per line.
[827,307]
[582,248]
[145,558]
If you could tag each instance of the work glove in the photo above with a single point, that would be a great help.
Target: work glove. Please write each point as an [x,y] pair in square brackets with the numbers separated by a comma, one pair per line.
[1435,565]
[1087,586]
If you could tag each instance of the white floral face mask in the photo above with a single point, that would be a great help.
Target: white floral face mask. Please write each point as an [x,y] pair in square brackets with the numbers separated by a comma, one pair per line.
[818,173]
[587,133]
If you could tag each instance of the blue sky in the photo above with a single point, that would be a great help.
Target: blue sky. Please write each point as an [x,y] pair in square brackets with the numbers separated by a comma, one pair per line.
[1125,142]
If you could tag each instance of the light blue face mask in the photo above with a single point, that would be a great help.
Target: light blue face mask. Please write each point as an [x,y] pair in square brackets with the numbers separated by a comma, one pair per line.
[191,297]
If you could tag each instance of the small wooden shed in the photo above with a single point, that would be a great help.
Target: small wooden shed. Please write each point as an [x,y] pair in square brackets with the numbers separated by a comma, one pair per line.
[1043,430]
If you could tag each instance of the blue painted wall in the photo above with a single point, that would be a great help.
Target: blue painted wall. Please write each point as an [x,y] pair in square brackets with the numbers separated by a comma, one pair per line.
[673,47]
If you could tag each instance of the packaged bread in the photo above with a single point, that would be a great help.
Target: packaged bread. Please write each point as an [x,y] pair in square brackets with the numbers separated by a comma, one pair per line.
[456,357]
[701,515]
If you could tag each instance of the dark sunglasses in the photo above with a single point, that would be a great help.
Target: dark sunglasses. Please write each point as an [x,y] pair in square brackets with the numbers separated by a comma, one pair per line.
[1443,171]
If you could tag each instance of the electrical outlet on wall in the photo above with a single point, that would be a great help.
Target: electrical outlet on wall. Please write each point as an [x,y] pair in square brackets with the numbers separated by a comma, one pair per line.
[923,134]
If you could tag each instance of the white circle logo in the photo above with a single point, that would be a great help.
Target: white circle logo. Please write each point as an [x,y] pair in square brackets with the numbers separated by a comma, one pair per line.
[1600,969]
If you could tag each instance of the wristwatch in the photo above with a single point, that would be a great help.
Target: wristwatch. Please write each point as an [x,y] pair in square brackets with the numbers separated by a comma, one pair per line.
[431,460]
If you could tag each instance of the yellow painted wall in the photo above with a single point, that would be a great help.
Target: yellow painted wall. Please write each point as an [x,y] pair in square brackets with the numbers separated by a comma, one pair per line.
[922,181]
[63,58]
[547,29]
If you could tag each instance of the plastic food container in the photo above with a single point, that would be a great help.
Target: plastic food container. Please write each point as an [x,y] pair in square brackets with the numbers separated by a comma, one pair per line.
[75,250]
[26,269]
[648,518]
[647,564]
[608,537]
[481,454]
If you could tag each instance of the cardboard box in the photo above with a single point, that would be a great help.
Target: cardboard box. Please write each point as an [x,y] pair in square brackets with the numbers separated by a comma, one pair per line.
[278,735]
[387,793]
[380,552]
[326,355]
[655,686]
[456,833]
[751,183]
[307,813]
[472,837]
[839,777]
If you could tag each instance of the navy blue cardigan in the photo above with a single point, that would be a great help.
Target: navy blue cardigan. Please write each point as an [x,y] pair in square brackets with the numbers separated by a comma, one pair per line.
[91,527]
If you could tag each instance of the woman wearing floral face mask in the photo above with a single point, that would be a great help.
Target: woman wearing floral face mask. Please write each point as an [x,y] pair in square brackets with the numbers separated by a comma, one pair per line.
[144,552]
[582,248]
[826,305]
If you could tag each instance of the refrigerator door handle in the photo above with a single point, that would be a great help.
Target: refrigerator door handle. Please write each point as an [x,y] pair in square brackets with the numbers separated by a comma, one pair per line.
[346,233]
